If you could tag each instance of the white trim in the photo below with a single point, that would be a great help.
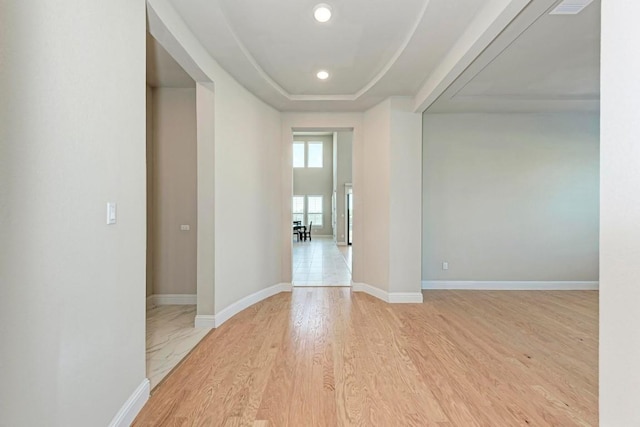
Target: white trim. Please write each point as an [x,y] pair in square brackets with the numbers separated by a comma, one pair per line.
[205,321]
[208,321]
[174,299]
[341,243]
[405,297]
[246,302]
[129,411]
[390,297]
[150,302]
[371,290]
[511,285]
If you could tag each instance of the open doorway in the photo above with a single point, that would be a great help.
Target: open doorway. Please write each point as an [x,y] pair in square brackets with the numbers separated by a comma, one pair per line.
[322,168]
[171,214]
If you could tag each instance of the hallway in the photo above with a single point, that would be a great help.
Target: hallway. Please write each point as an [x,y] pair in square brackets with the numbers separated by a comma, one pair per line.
[320,262]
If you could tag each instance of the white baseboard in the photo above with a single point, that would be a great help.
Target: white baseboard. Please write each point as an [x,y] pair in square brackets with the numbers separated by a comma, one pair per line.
[371,290]
[208,321]
[341,243]
[405,297]
[390,297]
[246,302]
[129,411]
[511,285]
[175,299]
[205,321]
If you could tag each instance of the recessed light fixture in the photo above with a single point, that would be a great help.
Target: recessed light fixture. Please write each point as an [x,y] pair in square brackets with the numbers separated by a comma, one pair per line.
[322,75]
[322,12]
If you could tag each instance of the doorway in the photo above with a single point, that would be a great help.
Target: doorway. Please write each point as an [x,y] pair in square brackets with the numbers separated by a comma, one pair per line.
[172,219]
[322,166]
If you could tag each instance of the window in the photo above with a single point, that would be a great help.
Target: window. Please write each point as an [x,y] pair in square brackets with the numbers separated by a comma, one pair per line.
[314,209]
[298,208]
[298,154]
[315,154]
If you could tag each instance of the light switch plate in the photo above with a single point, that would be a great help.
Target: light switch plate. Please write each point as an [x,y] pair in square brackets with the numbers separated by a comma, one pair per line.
[111,213]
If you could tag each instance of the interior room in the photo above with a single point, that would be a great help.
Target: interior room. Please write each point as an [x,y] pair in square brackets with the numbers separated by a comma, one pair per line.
[492,207]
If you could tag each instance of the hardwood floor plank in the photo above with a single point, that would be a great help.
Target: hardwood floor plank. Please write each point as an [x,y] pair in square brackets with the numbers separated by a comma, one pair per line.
[327,357]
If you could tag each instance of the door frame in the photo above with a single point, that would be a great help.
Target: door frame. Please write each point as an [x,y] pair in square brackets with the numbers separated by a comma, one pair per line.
[347,188]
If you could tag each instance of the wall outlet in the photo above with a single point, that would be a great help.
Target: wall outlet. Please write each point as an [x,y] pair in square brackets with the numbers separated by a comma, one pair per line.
[185,227]
[445,265]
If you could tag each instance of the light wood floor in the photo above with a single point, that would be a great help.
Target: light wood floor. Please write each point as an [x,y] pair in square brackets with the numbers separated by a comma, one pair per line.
[327,357]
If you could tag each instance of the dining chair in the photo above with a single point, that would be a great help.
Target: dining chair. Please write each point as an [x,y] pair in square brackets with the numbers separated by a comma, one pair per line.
[307,232]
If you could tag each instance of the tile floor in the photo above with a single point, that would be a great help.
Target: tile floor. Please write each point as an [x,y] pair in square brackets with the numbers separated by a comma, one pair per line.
[170,337]
[320,262]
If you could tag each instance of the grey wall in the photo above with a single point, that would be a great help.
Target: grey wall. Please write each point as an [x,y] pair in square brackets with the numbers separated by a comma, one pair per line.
[343,175]
[510,197]
[174,182]
[72,138]
[317,181]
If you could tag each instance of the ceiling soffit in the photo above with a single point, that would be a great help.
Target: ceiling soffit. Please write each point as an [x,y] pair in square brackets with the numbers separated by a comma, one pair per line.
[261,37]
[234,32]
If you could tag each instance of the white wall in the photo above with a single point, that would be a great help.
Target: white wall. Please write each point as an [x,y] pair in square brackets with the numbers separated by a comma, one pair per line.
[239,174]
[174,190]
[248,171]
[511,197]
[344,159]
[620,211]
[72,137]
[206,250]
[391,153]
[317,181]
[375,194]
[405,243]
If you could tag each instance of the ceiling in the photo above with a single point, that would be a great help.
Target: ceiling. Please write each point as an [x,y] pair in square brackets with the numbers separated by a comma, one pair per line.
[373,49]
[552,64]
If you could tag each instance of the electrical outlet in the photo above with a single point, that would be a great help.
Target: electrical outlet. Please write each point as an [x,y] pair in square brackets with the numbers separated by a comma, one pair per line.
[445,265]
[185,227]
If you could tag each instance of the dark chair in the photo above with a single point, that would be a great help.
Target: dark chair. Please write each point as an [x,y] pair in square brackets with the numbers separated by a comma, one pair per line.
[307,232]
[297,229]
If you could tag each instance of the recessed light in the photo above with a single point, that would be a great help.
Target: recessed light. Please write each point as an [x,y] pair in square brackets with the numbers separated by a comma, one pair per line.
[322,12]
[322,75]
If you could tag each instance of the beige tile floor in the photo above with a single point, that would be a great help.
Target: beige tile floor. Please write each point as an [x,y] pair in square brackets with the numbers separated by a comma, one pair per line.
[320,262]
[170,337]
